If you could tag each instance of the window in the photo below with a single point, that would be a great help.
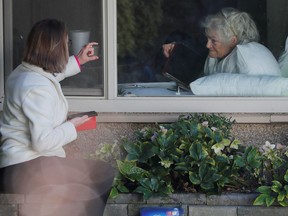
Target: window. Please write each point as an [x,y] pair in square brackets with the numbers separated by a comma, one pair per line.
[126,56]
[143,70]
[79,16]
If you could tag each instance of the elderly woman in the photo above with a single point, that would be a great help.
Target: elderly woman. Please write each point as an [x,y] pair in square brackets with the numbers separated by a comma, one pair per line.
[233,45]
[232,34]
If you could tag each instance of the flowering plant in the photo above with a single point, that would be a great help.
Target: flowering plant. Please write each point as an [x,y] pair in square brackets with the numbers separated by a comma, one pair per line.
[274,181]
[198,154]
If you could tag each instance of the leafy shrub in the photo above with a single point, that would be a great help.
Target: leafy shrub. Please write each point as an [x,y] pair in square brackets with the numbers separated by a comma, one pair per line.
[198,154]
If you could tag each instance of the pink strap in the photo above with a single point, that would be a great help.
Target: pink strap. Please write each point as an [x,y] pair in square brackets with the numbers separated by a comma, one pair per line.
[77,61]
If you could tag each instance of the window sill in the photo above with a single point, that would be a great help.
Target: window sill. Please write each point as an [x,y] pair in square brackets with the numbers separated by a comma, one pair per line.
[240,118]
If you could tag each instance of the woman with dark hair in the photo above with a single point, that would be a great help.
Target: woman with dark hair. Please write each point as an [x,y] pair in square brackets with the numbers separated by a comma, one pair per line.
[34,129]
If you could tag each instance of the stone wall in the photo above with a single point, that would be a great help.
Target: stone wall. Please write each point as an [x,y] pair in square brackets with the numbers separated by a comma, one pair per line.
[233,204]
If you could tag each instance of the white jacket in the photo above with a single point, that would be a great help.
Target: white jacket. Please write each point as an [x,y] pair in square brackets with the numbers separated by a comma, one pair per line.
[33,122]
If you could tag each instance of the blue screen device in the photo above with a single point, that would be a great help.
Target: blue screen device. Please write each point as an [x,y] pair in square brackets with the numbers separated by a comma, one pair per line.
[161,211]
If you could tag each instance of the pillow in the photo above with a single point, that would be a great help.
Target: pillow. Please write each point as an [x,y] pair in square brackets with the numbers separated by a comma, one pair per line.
[249,58]
[283,60]
[224,84]
[254,58]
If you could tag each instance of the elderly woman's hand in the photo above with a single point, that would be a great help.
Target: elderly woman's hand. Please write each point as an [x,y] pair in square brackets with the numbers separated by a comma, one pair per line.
[86,54]
[167,49]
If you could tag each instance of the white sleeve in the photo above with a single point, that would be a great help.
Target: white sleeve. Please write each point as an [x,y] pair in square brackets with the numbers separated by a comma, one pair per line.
[72,68]
[49,129]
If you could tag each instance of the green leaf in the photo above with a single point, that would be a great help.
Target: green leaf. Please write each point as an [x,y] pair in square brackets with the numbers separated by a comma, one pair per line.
[286,189]
[264,199]
[238,161]
[209,132]
[207,185]
[133,150]
[148,150]
[270,200]
[210,161]
[203,170]
[264,190]
[225,142]
[281,196]
[146,192]
[179,151]
[235,144]
[253,157]
[130,170]
[181,168]
[221,159]
[122,189]
[151,184]
[207,174]
[167,190]
[194,129]
[194,178]
[196,151]
[276,186]
[113,193]
[217,136]
[284,203]
[286,176]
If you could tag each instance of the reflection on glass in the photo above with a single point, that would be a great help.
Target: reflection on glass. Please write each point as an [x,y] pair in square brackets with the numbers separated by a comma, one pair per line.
[78,15]
[144,26]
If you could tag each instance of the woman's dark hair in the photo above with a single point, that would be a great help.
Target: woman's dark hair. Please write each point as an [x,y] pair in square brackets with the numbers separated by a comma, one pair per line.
[47,46]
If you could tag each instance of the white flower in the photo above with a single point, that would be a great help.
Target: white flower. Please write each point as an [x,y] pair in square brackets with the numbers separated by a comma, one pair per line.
[218,148]
[214,128]
[163,130]
[166,163]
[205,124]
[268,146]
[143,130]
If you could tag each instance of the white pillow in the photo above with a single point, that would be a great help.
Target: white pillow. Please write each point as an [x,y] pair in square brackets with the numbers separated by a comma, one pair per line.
[283,60]
[249,58]
[224,84]
[256,59]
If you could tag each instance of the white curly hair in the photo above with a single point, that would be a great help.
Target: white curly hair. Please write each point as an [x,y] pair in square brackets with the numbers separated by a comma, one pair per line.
[229,22]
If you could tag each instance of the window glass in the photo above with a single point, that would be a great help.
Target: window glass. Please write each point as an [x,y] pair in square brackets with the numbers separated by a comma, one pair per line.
[84,15]
[144,26]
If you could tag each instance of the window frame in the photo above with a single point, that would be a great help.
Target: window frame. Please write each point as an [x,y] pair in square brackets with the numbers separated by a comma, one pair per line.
[112,103]
[1,57]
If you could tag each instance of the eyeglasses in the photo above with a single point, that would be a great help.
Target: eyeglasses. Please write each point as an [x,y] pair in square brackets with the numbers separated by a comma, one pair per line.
[69,42]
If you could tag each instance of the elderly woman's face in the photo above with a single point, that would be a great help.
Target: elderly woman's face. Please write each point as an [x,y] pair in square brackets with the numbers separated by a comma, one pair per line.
[218,48]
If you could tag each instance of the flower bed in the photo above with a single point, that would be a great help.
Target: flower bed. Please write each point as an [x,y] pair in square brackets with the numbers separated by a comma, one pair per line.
[197,154]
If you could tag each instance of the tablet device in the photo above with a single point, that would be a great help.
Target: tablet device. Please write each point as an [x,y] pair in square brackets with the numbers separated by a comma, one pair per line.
[89,114]
[184,65]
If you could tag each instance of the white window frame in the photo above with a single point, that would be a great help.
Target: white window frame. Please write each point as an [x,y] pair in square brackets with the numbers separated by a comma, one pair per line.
[114,104]
[1,56]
